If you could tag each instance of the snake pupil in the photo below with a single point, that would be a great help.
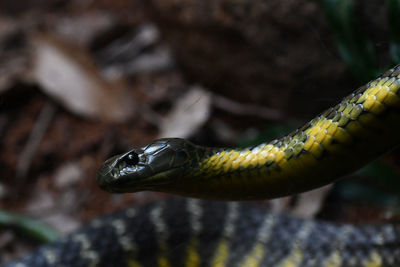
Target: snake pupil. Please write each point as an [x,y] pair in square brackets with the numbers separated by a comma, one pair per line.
[131,159]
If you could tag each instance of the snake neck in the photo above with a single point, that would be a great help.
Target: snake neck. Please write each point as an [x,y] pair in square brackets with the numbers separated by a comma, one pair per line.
[342,139]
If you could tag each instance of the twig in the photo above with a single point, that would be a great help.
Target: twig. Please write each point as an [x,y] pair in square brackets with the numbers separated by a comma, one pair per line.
[246,109]
[38,131]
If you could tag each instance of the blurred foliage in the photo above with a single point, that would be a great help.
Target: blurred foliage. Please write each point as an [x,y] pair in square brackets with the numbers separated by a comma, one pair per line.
[28,227]
[394,28]
[361,193]
[354,47]
[375,183]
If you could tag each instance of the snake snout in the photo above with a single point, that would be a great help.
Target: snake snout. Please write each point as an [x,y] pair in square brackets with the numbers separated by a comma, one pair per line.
[104,173]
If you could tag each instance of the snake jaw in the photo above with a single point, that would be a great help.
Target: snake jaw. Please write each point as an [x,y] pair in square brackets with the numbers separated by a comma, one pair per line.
[146,168]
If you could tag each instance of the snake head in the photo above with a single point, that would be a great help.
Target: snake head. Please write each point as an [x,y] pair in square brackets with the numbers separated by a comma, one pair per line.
[147,168]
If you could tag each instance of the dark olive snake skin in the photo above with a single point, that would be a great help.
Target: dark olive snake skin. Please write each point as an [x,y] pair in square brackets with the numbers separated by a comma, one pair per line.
[195,233]
[202,233]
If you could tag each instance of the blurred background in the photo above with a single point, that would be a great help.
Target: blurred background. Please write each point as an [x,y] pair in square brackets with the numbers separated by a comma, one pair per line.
[81,81]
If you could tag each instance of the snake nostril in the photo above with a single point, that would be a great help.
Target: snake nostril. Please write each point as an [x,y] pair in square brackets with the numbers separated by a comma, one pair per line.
[131,159]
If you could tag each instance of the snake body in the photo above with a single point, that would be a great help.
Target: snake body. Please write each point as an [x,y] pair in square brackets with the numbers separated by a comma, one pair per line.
[194,233]
[345,137]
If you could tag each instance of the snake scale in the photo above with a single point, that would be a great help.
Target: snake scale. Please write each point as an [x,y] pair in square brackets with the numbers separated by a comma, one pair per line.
[191,233]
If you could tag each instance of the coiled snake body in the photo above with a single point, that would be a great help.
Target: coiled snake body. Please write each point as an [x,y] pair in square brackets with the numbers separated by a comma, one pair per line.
[194,233]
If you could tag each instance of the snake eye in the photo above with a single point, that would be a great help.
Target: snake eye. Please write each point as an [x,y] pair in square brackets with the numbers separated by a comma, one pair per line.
[131,159]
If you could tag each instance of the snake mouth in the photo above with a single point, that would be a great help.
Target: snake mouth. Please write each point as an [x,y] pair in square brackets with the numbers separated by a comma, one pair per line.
[116,178]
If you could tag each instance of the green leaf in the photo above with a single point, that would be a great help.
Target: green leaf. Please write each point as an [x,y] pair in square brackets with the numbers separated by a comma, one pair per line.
[31,228]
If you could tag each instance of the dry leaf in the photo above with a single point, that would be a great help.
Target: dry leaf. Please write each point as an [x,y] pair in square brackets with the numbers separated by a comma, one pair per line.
[40,202]
[60,222]
[310,203]
[307,204]
[68,74]
[188,114]
[82,28]
[67,175]
[13,56]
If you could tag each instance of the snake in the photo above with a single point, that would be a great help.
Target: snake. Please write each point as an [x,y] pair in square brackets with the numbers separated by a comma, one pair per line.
[191,232]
